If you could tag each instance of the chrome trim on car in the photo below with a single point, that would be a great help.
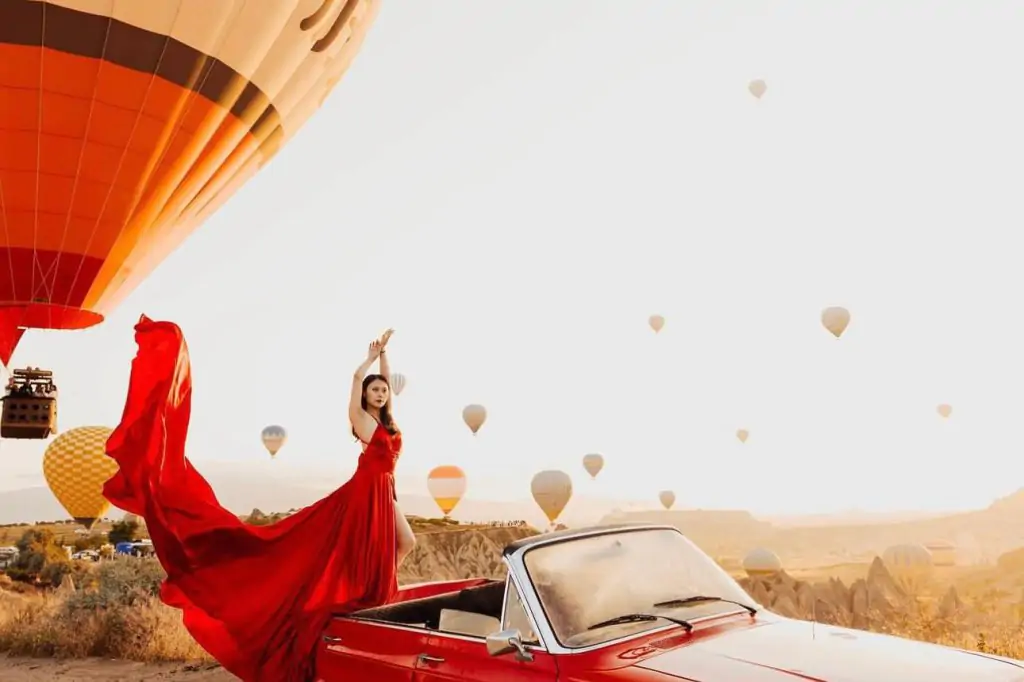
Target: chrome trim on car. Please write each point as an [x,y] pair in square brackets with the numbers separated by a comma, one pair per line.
[512,579]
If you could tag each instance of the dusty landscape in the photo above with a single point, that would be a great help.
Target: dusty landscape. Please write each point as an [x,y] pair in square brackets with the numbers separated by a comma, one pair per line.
[38,670]
[104,623]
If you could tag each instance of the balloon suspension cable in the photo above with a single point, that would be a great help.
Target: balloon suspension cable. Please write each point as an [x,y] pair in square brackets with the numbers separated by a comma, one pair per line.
[6,374]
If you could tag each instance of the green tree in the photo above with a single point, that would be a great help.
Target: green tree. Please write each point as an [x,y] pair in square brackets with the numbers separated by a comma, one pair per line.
[89,542]
[40,558]
[123,531]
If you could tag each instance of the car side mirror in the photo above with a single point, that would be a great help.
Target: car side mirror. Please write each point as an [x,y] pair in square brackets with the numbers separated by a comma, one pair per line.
[507,641]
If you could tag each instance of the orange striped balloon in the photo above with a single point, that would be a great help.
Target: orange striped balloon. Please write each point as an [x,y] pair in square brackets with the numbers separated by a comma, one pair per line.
[447,485]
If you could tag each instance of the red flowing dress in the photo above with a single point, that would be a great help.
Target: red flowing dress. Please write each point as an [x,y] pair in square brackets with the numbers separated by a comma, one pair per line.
[255,597]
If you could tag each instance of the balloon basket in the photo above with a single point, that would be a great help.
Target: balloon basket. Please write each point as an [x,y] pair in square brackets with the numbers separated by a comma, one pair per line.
[30,405]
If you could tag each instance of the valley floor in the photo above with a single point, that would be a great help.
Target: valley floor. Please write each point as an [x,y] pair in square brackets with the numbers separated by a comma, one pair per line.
[96,669]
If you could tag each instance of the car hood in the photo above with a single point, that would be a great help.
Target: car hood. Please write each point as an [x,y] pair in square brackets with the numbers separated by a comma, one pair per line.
[794,651]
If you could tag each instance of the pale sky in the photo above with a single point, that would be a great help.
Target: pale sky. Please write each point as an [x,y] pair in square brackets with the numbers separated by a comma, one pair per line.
[516,187]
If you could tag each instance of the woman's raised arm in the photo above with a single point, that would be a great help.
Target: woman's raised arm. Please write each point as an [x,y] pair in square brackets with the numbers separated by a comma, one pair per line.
[385,368]
[362,422]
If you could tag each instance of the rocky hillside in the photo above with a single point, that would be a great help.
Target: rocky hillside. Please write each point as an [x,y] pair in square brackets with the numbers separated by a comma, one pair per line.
[979,536]
[455,553]
[867,603]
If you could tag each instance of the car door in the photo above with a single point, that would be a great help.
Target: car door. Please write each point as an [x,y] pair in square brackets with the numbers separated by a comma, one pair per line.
[449,657]
[351,650]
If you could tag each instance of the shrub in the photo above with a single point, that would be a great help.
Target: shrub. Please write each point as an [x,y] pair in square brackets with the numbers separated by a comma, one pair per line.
[116,614]
[40,559]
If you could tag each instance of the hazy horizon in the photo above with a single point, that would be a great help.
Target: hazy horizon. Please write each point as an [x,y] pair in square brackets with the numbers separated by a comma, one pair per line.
[515,188]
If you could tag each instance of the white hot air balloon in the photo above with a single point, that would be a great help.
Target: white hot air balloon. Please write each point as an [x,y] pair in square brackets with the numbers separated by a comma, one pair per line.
[474,416]
[273,437]
[761,562]
[835,319]
[551,491]
[593,463]
[757,88]
[397,383]
[656,322]
[667,498]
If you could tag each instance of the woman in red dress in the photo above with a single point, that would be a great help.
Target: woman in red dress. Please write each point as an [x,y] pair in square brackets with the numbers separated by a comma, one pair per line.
[369,413]
[255,597]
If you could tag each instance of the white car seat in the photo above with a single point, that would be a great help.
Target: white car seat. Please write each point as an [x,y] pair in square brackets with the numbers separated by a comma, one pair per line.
[467,623]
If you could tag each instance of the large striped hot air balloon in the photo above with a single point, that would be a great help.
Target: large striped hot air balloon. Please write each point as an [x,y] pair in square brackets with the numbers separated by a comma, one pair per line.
[76,467]
[447,485]
[125,124]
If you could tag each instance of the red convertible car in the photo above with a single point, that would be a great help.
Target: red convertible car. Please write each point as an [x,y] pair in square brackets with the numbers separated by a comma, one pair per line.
[628,602]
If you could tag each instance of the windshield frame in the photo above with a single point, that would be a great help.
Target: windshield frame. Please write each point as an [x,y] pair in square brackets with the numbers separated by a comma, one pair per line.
[516,564]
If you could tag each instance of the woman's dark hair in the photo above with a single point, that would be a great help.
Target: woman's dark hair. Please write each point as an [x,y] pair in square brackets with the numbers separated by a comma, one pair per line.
[385,412]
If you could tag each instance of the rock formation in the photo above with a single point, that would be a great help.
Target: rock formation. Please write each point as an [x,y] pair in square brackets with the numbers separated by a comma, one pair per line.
[867,603]
[454,554]
[868,600]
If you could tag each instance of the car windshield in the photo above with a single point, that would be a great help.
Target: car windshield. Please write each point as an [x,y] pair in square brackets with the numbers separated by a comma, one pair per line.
[588,580]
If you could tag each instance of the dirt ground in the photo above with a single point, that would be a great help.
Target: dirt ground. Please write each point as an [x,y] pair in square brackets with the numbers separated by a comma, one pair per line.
[95,669]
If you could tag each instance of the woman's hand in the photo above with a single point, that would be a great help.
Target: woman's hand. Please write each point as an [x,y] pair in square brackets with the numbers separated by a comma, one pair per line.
[385,337]
[373,352]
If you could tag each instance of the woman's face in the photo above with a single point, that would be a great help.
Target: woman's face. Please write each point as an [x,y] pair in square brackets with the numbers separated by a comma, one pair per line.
[377,394]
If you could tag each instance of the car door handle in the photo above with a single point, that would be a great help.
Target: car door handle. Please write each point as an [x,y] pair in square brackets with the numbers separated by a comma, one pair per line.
[425,658]
[332,640]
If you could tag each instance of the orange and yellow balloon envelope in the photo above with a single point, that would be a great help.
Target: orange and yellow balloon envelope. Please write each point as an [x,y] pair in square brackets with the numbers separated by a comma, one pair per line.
[447,485]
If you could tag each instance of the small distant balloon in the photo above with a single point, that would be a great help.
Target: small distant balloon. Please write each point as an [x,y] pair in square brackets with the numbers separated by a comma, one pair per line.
[667,498]
[656,322]
[551,491]
[397,383]
[743,434]
[447,485]
[593,463]
[757,88]
[273,438]
[835,320]
[945,410]
[474,416]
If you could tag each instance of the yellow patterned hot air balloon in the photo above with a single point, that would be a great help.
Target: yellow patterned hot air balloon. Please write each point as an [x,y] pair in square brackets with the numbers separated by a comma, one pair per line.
[447,485]
[667,498]
[76,467]
[742,434]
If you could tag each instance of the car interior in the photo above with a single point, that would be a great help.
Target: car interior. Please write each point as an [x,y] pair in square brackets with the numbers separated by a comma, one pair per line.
[473,611]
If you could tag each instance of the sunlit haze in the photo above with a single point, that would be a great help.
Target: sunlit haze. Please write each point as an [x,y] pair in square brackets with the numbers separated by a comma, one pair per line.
[516,187]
